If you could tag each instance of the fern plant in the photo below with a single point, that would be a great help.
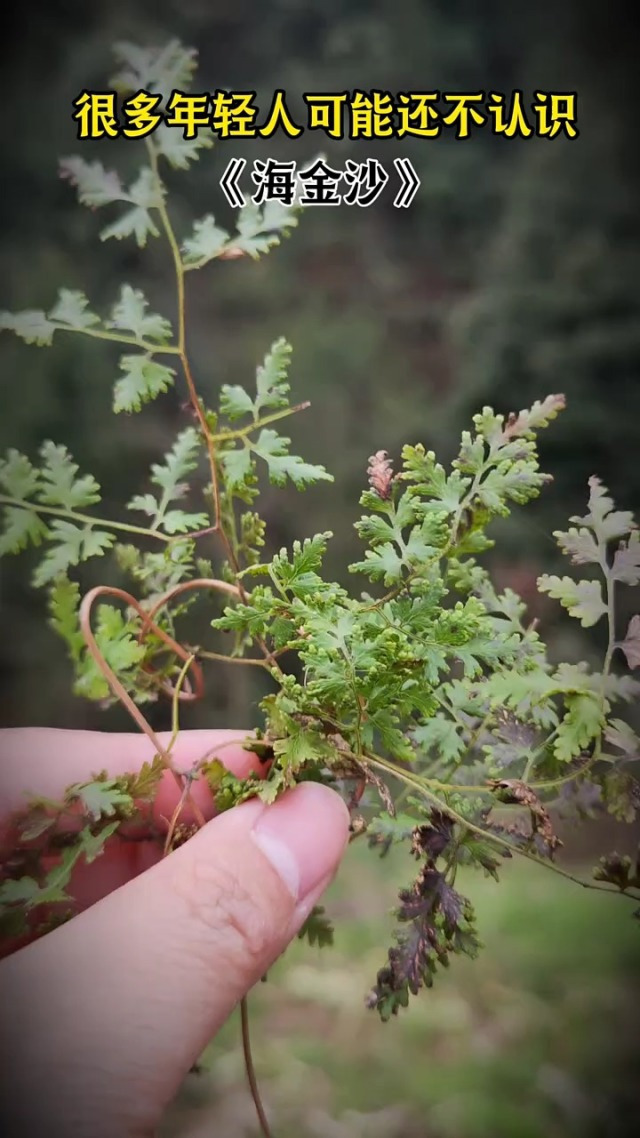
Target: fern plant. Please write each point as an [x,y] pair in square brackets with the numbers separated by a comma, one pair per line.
[423,693]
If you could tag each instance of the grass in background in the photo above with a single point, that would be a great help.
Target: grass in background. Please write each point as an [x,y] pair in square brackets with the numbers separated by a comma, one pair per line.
[536,1039]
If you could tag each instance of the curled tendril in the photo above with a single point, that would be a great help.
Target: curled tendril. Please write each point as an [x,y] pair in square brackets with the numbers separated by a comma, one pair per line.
[192,688]
[186,689]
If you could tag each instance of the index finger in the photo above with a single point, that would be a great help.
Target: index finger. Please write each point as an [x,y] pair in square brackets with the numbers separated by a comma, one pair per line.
[44,761]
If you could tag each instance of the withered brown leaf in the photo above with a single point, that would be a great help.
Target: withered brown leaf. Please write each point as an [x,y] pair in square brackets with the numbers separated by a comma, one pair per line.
[513,790]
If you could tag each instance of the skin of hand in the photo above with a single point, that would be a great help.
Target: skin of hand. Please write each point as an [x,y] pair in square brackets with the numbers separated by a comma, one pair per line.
[104,1016]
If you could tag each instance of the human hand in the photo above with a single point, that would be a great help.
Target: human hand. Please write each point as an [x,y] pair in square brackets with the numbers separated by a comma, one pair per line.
[104,1016]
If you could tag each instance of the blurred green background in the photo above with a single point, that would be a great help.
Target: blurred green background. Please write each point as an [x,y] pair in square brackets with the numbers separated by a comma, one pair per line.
[515,273]
[537,1038]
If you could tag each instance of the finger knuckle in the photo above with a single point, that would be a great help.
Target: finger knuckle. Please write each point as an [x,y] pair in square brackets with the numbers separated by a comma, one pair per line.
[236,915]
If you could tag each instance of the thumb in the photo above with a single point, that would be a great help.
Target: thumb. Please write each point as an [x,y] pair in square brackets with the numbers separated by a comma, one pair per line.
[105,1015]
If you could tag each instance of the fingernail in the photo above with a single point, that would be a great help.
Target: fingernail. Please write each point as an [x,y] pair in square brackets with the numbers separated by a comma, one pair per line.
[303,835]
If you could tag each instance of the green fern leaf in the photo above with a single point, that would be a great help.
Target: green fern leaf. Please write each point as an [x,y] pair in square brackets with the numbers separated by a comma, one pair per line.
[179,152]
[582,599]
[59,485]
[207,241]
[169,476]
[18,476]
[274,449]
[117,640]
[130,315]
[98,187]
[71,310]
[71,545]
[143,380]
[605,522]
[272,385]
[260,230]
[64,605]
[137,222]
[21,528]
[95,185]
[31,326]
[157,69]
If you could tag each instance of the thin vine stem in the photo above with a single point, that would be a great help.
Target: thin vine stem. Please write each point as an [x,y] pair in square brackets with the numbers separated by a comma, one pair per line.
[190,694]
[196,404]
[250,1069]
[611,625]
[243,432]
[223,255]
[175,702]
[117,687]
[243,661]
[184,358]
[128,341]
[418,784]
[175,730]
